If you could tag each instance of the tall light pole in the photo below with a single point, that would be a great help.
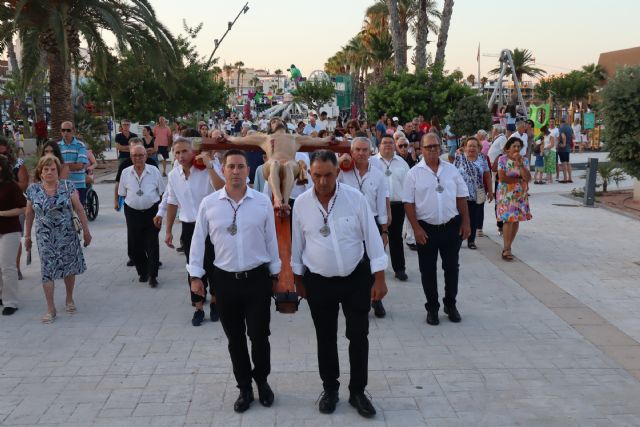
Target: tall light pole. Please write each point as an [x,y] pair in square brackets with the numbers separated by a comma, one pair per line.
[217,42]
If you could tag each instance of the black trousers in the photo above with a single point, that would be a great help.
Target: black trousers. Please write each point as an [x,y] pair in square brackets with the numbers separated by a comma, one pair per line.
[142,239]
[396,248]
[474,210]
[444,239]
[480,216]
[245,309]
[324,295]
[209,257]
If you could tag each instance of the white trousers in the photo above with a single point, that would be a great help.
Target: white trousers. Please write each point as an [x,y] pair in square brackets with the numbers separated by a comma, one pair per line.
[8,272]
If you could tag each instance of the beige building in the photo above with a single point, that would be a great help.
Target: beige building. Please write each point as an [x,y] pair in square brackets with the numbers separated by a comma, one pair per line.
[613,60]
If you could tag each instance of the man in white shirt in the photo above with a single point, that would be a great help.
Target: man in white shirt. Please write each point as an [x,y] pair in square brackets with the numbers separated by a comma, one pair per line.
[323,123]
[142,187]
[373,185]
[241,225]
[435,197]
[521,132]
[395,171]
[330,223]
[187,186]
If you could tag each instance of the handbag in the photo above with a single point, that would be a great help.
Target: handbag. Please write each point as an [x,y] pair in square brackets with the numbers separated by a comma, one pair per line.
[75,220]
[481,195]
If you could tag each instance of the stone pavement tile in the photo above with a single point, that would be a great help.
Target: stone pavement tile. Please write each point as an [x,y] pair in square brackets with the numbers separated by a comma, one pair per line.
[408,418]
[605,335]
[161,409]
[627,356]
[435,407]
[29,410]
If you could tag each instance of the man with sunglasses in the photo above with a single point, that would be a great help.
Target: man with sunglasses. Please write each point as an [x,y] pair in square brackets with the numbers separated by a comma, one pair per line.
[435,197]
[75,157]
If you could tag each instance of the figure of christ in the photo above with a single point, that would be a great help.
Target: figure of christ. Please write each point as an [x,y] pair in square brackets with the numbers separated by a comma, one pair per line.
[281,169]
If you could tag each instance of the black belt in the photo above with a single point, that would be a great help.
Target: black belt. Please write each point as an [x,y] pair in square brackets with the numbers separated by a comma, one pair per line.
[155,205]
[452,221]
[258,272]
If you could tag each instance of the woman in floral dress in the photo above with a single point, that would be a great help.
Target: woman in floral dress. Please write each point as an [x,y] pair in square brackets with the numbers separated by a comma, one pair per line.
[51,202]
[511,198]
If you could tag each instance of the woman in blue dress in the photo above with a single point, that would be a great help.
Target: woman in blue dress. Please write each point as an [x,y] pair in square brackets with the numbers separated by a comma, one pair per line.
[51,202]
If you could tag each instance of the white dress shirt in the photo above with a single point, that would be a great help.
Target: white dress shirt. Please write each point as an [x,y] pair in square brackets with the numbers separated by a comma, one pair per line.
[374,187]
[254,243]
[433,207]
[187,193]
[150,183]
[395,182]
[338,254]
[497,147]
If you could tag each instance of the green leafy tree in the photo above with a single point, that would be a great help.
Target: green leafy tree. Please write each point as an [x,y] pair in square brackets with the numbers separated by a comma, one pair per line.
[429,92]
[566,88]
[56,28]
[470,115]
[621,107]
[315,93]
[596,70]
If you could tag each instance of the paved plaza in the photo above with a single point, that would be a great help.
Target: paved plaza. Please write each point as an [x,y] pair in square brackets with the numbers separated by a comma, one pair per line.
[549,340]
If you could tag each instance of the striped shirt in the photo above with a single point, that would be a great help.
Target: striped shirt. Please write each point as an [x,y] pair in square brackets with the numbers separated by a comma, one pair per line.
[75,153]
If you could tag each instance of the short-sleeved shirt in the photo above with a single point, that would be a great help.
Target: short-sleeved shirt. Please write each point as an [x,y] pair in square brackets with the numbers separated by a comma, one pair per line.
[380,127]
[568,133]
[122,140]
[75,153]
[10,198]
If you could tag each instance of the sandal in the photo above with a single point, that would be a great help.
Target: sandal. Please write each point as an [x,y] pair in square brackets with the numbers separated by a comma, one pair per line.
[70,308]
[48,318]
[506,255]
[472,245]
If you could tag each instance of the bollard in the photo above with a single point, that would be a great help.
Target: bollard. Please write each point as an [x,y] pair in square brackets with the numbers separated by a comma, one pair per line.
[590,183]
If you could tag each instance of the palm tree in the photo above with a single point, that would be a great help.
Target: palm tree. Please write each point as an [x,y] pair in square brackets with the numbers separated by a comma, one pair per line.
[278,73]
[400,50]
[228,70]
[447,11]
[58,27]
[523,61]
[238,65]
[596,70]
[471,79]
[410,14]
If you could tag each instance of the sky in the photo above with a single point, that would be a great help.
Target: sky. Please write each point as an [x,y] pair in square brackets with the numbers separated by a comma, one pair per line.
[562,34]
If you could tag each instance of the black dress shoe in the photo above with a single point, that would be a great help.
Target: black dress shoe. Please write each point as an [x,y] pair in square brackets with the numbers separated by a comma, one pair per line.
[198,317]
[362,404]
[8,311]
[143,278]
[244,400]
[378,309]
[432,318]
[328,401]
[265,394]
[153,282]
[213,312]
[130,263]
[412,246]
[402,276]
[453,313]
[180,249]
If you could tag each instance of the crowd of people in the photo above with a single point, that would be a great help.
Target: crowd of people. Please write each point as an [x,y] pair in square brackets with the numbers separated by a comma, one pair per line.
[415,184]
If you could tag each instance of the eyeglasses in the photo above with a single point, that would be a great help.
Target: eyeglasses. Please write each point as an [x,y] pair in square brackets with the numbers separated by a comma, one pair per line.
[403,145]
[431,147]
[66,130]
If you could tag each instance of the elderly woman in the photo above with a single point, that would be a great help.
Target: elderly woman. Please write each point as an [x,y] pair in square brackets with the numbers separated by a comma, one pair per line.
[482,136]
[12,204]
[51,202]
[511,199]
[474,168]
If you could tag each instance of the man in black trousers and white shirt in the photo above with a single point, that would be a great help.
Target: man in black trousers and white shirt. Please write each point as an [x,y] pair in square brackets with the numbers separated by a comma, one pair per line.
[241,226]
[435,197]
[330,223]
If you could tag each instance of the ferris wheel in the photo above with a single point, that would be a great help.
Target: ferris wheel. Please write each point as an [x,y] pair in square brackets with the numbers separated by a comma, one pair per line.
[319,75]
